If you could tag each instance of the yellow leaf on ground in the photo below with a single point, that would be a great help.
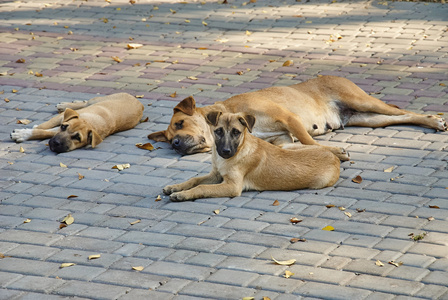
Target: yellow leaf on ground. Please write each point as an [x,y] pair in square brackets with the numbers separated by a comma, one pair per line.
[284,262]
[139,268]
[328,228]
[23,121]
[80,176]
[216,211]
[295,220]
[147,146]
[68,219]
[288,63]
[21,149]
[135,222]
[65,265]
[396,264]
[288,274]
[27,221]
[173,95]
[388,170]
[121,167]
[276,203]
[379,263]
[62,165]
[158,198]
[348,214]
[94,256]
[134,46]
[192,78]
[117,59]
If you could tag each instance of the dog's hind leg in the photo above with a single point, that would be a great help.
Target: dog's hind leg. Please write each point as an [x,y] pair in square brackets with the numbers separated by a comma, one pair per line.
[61,107]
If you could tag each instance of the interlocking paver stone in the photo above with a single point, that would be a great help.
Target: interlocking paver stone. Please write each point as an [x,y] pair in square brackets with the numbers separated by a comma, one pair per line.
[395,51]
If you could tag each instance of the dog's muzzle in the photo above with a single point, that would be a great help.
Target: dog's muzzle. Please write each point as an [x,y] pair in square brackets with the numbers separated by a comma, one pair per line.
[187,144]
[57,146]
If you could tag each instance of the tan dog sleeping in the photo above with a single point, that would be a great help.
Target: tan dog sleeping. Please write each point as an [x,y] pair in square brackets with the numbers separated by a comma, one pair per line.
[289,113]
[241,161]
[88,125]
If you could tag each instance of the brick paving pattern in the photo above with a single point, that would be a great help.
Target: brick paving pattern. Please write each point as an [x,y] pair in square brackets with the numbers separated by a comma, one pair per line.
[58,50]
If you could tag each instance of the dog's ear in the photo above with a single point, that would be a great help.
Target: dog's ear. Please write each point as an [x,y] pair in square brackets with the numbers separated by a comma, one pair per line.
[187,106]
[213,117]
[70,114]
[159,136]
[94,138]
[248,121]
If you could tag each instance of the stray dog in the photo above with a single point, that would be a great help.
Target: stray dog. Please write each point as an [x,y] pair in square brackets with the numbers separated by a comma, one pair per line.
[289,113]
[89,125]
[241,161]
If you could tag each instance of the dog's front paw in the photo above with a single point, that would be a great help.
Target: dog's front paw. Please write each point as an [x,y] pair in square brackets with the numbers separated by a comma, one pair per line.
[179,197]
[169,189]
[341,153]
[439,123]
[20,135]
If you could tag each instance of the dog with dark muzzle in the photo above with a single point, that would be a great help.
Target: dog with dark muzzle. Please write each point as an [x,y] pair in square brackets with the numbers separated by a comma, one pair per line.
[89,124]
[241,161]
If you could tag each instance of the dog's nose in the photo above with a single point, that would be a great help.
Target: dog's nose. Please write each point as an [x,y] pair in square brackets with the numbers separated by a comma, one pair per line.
[175,143]
[226,151]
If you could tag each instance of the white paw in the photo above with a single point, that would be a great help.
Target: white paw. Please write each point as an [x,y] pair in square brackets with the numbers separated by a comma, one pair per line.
[20,135]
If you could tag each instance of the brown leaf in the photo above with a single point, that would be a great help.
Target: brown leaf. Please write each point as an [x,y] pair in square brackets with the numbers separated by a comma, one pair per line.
[357,179]
[134,46]
[37,74]
[295,240]
[27,221]
[62,225]
[173,95]
[116,58]
[276,203]
[434,206]
[20,61]
[6,100]
[158,198]
[80,176]
[329,205]
[147,146]
[121,167]
[396,264]
[288,63]
[295,220]
[360,210]
[144,120]
[72,196]
[240,72]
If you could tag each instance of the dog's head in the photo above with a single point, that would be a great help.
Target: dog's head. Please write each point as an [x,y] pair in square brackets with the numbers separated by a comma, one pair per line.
[229,130]
[73,133]
[188,132]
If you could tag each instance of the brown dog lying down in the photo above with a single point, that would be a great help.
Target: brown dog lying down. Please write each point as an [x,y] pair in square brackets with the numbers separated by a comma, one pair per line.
[288,113]
[89,125]
[241,162]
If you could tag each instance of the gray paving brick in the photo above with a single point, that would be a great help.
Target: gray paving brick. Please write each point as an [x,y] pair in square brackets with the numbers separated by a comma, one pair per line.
[202,289]
[178,270]
[27,266]
[91,290]
[322,290]
[387,285]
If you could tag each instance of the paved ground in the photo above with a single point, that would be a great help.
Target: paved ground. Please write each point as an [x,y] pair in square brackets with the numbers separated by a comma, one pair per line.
[58,50]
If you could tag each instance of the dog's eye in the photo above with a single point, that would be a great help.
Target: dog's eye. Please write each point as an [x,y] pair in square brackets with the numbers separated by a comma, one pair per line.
[236,132]
[64,127]
[179,124]
[76,137]
[219,132]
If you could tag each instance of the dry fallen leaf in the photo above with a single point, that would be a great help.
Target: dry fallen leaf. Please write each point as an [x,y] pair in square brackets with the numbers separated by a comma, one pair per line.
[295,240]
[288,274]
[341,208]
[20,61]
[116,58]
[80,176]
[72,196]
[328,228]
[434,206]
[379,263]
[147,146]
[431,219]
[173,95]
[348,214]
[248,298]
[159,198]
[121,167]
[27,221]
[329,205]
[62,165]
[65,265]
[288,63]
[388,170]
[21,149]
[145,119]
[295,220]
[396,264]
[276,203]
[139,268]
[139,96]
[134,46]
[216,211]
[357,179]
[284,262]
[6,100]
[135,222]
[94,256]
[192,78]
[68,219]
[23,121]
